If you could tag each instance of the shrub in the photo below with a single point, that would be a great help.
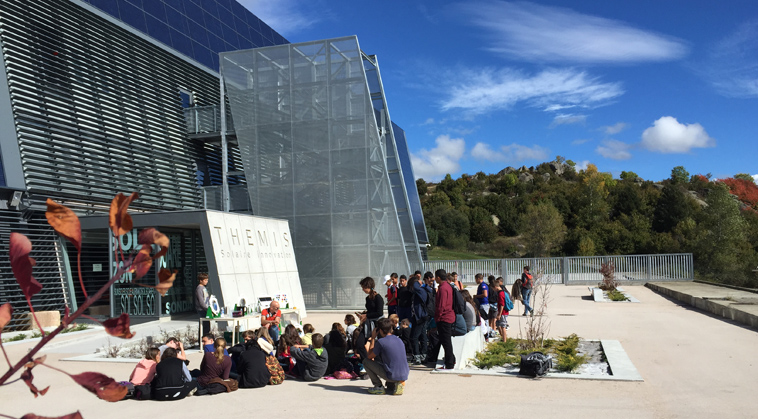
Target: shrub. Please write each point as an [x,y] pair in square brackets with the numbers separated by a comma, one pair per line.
[616,295]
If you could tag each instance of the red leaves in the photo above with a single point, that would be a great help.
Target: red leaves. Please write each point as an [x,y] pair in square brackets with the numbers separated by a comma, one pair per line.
[165,281]
[75,415]
[745,190]
[118,327]
[65,222]
[101,385]
[119,220]
[142,262]
[28,377]
[6,310]
[150,236]
[22,264]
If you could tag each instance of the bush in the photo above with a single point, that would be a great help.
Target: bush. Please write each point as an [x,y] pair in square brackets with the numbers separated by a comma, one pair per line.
[616,295]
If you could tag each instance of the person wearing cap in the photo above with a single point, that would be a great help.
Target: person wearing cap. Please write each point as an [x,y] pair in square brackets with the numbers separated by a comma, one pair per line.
[391,282]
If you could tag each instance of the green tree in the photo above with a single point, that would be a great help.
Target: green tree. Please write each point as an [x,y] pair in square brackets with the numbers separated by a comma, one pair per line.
[673,206]
[744,176]
[722,238]
[541,228]
[483,230]
[421,187]
[679,175]
[629,176]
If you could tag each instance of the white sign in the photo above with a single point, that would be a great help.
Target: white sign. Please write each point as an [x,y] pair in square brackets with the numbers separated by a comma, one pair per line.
[97,267]
[255,258]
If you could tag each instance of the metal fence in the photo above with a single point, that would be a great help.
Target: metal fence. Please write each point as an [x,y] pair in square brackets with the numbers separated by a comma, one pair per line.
[575,269]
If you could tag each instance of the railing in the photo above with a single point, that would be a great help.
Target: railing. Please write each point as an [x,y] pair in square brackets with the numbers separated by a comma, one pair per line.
[239,198]
[576,269]
[206,120]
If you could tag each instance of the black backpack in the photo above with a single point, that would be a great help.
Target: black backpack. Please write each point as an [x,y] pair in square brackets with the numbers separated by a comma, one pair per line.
[430,300]
[535,364]
[459,304]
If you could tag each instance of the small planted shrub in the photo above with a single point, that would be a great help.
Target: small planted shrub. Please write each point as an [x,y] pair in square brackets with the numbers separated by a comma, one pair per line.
[564,351]
[616,295]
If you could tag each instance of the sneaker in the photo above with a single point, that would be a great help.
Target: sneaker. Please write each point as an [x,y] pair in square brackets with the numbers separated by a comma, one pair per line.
[376,390]
[399,387]
[192,392]
[417,361]
[445,368]
[507,327]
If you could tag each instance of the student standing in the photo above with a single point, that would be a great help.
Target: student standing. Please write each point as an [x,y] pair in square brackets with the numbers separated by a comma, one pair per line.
[526,290]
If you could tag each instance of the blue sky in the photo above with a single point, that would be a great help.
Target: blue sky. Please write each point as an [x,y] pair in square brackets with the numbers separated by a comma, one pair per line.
[481,85]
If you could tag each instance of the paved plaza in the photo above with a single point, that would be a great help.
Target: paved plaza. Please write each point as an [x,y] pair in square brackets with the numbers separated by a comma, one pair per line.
[694,365]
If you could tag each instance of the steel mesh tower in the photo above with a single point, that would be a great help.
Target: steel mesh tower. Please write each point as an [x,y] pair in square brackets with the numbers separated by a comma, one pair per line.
[317,152]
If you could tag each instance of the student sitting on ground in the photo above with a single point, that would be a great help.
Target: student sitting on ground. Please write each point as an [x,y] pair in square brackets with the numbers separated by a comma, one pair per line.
[171,382]
[289,338]
[252,369]
[264,341]
[386,360]
[336,346]
[351,325]
[311,361]
[307,334]
[214,365]
[405,336]
[395,319]
[144,373]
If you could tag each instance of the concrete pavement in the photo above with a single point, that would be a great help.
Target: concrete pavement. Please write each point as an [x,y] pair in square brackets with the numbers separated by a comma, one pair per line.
[694,365]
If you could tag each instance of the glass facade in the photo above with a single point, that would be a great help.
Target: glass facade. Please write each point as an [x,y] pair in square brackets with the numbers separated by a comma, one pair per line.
[199,29]
[314,154]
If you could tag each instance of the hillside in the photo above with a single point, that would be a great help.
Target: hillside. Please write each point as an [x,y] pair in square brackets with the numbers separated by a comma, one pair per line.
[554,209]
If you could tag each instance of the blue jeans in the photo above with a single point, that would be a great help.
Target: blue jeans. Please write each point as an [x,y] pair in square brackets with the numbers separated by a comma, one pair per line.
[418,335]
[525,294]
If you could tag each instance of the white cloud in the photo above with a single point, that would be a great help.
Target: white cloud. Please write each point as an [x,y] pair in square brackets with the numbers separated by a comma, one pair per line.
[755,178]
[580,141]
[284,16]
[667,135]
[538,33]
[615,128]
[439,161]
[613,149]
[732,64]
[486,90]
[429,121]
[514,153]
[581,165]
[567,119]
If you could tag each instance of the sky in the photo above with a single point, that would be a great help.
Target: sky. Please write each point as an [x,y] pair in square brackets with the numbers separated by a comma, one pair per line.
[640,86]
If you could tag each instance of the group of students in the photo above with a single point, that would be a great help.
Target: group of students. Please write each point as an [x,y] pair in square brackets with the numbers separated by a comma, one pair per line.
[427,306]
[425,312]
[259,361]
[164,374]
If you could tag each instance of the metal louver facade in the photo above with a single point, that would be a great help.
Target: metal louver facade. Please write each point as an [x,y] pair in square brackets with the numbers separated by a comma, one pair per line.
[95,109]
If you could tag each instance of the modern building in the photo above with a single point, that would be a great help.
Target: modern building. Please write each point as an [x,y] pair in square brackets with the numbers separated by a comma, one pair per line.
[99,97]
[320,150]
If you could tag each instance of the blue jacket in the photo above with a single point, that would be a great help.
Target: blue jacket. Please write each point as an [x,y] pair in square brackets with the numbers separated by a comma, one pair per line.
[418,306]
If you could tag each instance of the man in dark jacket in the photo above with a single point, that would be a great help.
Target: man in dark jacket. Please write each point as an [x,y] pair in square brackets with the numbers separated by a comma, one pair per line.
[419,320]
[251,367]
[444,316]
[311,361]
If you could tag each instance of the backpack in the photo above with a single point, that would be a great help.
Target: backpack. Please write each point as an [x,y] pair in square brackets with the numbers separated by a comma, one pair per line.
[459,304]
[430,309]
[276,371]
[508,302]
[535,364]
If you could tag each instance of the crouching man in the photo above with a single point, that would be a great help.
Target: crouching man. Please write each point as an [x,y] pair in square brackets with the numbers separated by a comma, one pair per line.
[386,360]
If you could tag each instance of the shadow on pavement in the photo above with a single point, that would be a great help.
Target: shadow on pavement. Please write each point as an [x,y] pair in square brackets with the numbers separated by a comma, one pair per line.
[344,389]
